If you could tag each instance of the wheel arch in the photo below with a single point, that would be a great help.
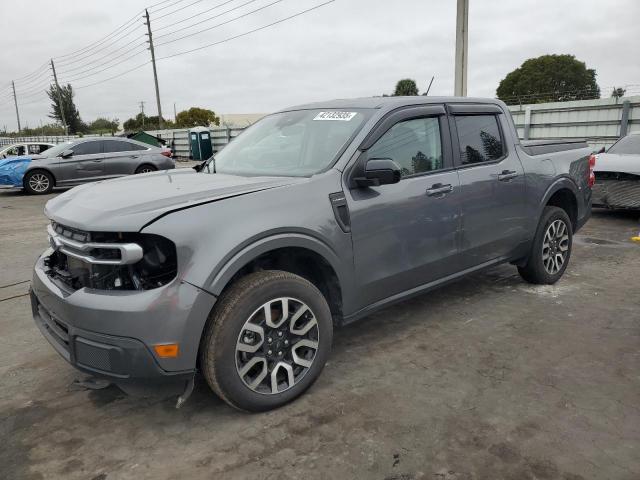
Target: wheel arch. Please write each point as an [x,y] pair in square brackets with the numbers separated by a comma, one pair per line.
[39,168]
[563,193]
[300,254]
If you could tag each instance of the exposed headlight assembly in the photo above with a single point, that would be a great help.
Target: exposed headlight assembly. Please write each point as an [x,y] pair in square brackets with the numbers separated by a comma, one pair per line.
[110,261]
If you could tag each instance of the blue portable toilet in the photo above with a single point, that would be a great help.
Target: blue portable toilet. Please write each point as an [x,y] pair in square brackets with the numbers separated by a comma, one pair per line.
[200,141]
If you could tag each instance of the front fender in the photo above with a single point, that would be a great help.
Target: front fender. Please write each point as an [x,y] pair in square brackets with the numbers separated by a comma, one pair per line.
[233,262]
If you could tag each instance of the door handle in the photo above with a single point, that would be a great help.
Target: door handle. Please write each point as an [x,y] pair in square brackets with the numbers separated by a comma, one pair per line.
[96,161]
[507,175]
[133,156]
[439,189]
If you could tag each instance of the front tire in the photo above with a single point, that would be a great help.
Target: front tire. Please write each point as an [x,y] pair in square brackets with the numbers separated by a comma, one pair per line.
[551,248]
[38,182]
[266,341]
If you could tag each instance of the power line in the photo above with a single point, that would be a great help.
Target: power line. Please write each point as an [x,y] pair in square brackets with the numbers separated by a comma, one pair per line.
[167,6]
[101,40]
[101,58]
[173,24]
[176,10]
[217,25]
[250,31]
[111,43]
[45,65]
[114,76]
[80,75]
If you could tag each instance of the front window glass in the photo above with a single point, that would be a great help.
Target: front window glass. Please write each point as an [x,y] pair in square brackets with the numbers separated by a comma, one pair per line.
[298,143]
[57,150]
[413,144]
[87,148]
[629,145]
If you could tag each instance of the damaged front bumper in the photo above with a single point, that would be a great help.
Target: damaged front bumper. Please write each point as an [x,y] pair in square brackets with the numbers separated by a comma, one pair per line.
[111,334]
[617,191]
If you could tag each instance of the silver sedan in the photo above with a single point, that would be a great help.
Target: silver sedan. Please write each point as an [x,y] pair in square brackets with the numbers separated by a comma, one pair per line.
[90,160]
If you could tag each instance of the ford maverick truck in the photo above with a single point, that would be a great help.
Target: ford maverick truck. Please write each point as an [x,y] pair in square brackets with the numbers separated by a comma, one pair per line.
[312,218]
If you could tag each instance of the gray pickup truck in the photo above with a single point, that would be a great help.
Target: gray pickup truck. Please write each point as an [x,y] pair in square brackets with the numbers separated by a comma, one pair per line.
[314,217]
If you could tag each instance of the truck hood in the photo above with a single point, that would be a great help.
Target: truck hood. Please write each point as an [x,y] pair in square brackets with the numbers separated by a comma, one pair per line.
[130,203]
[612,162]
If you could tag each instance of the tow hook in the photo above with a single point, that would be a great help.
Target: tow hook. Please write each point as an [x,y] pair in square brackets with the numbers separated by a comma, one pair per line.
[187,392]
[91,383]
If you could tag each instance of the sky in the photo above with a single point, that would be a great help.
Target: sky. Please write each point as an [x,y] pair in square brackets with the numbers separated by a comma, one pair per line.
[347,48]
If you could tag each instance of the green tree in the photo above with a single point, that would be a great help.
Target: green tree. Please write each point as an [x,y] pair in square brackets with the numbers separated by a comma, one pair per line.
[618,92]
[71,113]
[549,78]
[142,122]
[195,117]
[104,125]
[406,87]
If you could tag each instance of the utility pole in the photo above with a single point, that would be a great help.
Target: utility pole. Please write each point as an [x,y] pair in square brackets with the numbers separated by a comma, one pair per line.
[155,72]
[174,111]
[462,25]
[142,110]
[55,79]
[15,101]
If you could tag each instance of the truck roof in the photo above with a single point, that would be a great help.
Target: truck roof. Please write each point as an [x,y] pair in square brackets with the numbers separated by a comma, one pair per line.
[389,103]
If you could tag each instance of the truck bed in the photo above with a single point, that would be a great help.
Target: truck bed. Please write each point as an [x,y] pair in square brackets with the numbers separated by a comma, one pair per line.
[543,147]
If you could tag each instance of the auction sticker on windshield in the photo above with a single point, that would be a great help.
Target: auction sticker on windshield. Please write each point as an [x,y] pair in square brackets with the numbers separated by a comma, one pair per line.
[341,116]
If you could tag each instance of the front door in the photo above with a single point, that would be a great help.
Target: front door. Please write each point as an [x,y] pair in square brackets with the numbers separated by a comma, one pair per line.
[406,234]
[84,165]
[493,188]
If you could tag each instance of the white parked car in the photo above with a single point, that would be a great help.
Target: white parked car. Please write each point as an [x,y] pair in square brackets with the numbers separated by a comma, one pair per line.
[24,148]
[618,175]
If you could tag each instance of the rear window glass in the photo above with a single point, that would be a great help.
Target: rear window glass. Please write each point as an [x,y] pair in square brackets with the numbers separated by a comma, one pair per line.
[629,145]
[479,138]
[114,146]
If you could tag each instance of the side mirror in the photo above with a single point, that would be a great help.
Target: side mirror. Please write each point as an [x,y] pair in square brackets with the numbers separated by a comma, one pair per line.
[602,150]
[66,153]
[379,171]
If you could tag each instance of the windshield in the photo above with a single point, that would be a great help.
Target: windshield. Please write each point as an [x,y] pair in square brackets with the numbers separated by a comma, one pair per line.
[296,144]
[57,150]
[629,145]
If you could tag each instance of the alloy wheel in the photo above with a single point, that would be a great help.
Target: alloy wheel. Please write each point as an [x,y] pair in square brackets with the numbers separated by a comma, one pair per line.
[277,345]
[39,182]
[555,246]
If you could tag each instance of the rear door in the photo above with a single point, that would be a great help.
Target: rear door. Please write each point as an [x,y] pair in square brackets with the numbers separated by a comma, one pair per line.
[406,234]
[122,157]
[492,184]
[85,165]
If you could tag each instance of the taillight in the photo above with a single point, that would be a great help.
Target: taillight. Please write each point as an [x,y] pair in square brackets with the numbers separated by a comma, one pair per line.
[592,176]
[166,153]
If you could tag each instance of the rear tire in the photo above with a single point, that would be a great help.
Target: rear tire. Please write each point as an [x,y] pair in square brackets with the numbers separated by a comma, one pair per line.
[551,249]
[38,182]
[266,341]
[146,168]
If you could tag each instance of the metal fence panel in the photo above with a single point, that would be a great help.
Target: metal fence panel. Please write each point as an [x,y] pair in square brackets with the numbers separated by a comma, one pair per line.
[599,121]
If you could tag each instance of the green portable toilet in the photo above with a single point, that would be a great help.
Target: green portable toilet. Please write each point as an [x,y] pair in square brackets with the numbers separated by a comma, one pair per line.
[200,141]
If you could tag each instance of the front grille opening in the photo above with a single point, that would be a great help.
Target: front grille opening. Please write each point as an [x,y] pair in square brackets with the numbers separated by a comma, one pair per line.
[157,267]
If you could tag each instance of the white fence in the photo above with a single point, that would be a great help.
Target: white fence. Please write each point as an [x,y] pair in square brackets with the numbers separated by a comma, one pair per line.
[601,122]
[177,139]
